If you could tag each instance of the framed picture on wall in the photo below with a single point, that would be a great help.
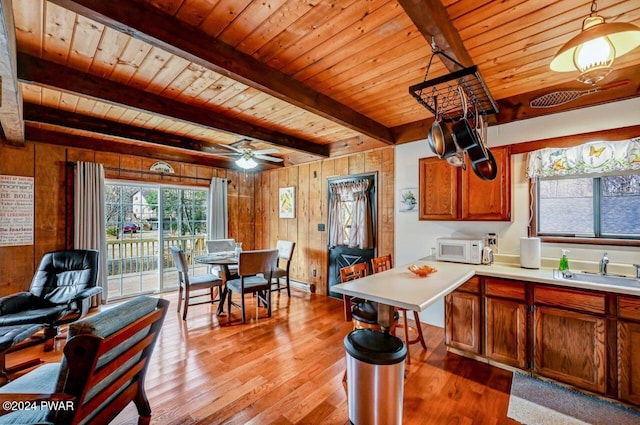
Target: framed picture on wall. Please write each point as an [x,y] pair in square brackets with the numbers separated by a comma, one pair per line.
[408,200]
[287,202]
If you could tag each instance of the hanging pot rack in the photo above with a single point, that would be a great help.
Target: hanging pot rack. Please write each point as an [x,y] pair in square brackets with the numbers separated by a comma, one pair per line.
[441,93]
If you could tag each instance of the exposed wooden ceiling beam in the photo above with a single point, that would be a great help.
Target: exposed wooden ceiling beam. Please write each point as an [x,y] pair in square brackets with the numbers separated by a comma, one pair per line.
[36,71]
[10,96]
[59,117]
[145,22]
[432,20]
[43,135]
[46,115]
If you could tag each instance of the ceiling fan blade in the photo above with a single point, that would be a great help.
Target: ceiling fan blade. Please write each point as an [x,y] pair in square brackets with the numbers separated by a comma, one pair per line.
[269,158]
[228,148]
[266,151]
[228,153]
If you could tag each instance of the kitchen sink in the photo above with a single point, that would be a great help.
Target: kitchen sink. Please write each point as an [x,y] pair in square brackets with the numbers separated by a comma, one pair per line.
[615,280]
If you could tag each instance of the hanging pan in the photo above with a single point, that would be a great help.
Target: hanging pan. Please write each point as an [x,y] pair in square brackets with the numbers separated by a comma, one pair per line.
[486,170]
[440,137]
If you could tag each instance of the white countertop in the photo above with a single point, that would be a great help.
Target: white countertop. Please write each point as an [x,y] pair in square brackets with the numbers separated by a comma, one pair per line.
[545,275]
[401,288]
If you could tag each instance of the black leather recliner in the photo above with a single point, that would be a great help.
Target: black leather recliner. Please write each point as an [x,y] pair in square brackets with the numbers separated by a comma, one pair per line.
[60,292]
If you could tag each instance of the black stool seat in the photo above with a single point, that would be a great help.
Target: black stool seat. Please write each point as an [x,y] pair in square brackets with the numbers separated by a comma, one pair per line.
[367,312]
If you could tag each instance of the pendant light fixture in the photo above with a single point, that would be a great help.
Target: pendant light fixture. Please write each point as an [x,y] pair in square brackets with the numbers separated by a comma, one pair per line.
[593,51]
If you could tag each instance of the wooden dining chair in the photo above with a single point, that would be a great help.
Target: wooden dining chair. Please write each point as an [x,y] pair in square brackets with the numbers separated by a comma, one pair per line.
[363,313]
[380,264]
[255,271]
[196,283]
[285,254]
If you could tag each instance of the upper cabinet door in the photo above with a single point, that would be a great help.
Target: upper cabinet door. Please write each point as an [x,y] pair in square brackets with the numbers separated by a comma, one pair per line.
[439,185]
[488,200]
[449,193]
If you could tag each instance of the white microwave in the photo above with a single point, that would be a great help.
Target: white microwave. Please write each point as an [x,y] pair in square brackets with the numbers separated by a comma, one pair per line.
[459,250]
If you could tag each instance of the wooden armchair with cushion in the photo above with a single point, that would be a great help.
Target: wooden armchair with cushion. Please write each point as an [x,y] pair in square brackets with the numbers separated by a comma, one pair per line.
[103,369]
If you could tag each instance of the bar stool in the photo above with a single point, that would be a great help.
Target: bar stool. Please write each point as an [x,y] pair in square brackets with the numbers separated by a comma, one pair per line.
[380,264]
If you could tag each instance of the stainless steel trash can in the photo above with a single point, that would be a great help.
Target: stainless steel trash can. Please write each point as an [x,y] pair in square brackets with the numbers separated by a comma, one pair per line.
[375,377]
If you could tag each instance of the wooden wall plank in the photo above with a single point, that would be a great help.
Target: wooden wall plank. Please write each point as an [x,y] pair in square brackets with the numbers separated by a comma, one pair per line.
[316,249]
[50,199]
[386,210]
[232,205]
[304,227]
[292,223]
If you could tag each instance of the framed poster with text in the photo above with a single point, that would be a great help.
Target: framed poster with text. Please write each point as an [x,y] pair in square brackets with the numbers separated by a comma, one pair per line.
[16,210]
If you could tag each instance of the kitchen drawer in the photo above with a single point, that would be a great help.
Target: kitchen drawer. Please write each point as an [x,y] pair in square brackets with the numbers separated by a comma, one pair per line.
[471,285]
[570,299]
[629,308]
[505,288]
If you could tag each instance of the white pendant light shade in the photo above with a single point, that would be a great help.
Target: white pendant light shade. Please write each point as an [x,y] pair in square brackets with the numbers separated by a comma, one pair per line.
[246,163]
[593,51]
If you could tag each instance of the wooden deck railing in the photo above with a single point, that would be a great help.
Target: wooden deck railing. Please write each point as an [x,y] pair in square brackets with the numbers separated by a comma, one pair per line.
[141,255]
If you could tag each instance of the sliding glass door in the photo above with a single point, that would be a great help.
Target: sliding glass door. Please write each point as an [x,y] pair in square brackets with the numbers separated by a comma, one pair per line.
[143,222]
[184,226]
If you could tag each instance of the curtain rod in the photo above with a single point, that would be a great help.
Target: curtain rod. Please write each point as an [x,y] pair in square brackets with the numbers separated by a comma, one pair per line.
[154,173]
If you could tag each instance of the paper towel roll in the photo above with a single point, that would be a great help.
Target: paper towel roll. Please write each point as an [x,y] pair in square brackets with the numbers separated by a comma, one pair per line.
[530,253]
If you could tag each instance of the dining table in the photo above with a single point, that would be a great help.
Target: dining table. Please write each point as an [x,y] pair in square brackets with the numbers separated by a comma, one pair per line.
[399,287]
[224,260]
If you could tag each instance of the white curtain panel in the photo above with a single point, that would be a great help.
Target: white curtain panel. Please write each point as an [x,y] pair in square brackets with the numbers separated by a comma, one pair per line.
[361,232]
[218,225]
[335,236]
[89,231]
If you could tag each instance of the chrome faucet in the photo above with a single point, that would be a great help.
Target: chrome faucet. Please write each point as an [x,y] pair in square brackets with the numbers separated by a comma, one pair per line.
[603,264]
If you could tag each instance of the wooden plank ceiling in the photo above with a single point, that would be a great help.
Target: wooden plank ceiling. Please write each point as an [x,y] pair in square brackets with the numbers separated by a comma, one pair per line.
[312,78]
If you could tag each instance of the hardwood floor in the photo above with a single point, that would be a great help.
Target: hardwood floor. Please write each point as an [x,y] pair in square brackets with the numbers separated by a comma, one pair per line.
[288,370]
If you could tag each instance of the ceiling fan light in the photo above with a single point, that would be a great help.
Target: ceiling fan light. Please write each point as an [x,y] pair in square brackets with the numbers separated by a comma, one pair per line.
[246,163]
[593,51]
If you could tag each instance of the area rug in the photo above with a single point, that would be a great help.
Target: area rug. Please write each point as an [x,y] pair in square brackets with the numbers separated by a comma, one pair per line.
[536,402]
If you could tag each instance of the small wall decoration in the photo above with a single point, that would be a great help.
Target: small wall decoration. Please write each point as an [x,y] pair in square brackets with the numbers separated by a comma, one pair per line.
[162,167]
[287,202]
[409,200]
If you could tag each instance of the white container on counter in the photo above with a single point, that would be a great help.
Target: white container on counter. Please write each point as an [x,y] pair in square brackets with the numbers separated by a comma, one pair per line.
[530,253]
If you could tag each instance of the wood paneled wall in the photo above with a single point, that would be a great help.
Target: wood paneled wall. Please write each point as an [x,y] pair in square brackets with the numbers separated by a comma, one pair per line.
[53,221]
[252,198]
[310,183]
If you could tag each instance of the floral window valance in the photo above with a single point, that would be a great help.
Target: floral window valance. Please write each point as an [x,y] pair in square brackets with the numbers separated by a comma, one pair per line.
[587,159]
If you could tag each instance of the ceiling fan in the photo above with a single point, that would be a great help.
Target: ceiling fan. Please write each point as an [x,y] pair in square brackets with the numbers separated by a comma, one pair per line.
[247,154]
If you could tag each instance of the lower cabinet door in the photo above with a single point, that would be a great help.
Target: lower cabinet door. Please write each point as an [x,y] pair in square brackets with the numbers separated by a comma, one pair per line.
[570,347]
[506,332]
[629,362]
[462,326]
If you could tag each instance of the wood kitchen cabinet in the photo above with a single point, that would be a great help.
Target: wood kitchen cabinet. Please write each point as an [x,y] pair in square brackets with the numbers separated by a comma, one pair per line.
[462,317]
[439,183]
[584,338]
[628,349]
[450,193]
[505,324]
[570,346]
